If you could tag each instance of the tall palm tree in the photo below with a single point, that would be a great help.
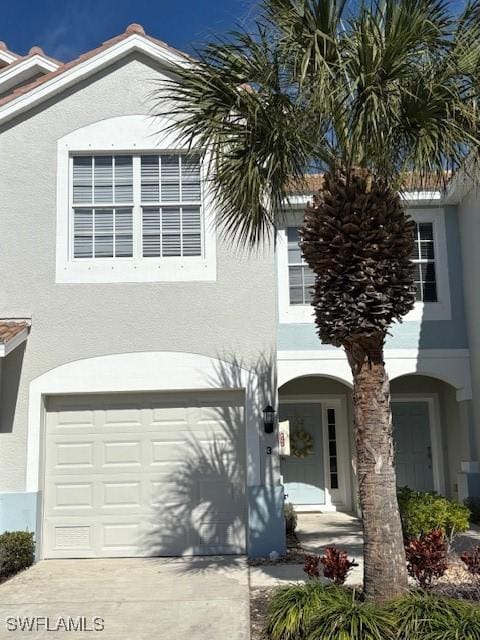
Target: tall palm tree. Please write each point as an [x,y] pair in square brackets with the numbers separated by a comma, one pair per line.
[380,98]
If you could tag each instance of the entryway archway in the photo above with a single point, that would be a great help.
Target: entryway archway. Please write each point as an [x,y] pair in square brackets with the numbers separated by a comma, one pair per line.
[317,473]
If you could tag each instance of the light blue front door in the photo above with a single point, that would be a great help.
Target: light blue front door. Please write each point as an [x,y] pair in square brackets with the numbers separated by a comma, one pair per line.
[413,447]
[303,478]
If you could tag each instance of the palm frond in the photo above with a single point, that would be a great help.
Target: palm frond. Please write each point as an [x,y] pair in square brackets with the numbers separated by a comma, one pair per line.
[391,86]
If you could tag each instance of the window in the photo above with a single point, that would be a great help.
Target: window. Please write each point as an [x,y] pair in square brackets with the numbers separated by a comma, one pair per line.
[300,276]
[101,228]
[108,206]
[172,227]
[332,448]
[424,259]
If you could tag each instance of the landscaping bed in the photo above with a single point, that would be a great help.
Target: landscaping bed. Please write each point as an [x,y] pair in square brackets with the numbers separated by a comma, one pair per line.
[442,602]
[456,584]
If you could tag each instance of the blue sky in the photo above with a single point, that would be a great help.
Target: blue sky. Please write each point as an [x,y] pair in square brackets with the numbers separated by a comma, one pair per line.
[66,28]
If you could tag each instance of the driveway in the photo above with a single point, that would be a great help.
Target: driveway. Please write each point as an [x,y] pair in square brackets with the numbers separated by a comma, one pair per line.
[141,598]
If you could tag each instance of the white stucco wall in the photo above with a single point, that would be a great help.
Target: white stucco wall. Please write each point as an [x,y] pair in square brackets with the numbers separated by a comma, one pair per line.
[469,221]
[233,315]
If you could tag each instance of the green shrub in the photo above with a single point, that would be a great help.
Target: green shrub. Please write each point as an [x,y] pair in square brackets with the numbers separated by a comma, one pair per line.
[418,615]
[473,505]
[17,552]
[313,611]
[291,518]
[292,608]
[424,512]
[343,618]
[464,627]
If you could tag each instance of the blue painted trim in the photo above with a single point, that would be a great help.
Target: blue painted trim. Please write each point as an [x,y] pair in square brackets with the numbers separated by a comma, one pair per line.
[18,511]
[266,522]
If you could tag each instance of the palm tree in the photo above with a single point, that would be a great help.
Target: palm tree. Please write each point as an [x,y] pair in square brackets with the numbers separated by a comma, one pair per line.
[379,98]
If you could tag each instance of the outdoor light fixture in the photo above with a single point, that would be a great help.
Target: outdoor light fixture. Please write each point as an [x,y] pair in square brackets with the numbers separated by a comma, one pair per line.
[268,418]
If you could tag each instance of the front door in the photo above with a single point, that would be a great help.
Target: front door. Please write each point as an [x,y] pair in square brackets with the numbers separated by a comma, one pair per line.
[413,446]
[303,477]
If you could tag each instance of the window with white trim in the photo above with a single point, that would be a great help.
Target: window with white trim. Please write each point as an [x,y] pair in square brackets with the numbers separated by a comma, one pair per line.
[424,259]
[136,206]
[300,276]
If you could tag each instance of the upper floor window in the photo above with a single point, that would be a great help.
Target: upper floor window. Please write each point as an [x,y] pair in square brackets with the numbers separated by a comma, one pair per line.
[131,206]
[300,276]
[424,259]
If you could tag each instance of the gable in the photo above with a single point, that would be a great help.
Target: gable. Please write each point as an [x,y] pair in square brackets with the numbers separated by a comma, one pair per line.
[69,75]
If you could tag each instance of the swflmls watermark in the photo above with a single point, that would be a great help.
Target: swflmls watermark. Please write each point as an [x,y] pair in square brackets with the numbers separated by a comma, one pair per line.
[46,623]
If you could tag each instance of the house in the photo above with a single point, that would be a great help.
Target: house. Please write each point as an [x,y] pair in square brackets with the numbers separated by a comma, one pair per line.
[138,350]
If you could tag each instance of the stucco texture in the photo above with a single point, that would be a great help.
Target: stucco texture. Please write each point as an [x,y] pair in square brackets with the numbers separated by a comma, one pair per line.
[234,315]
[469,219]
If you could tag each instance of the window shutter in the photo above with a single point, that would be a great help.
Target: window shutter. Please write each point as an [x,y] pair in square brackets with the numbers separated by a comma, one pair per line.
[191,179]
[150,177]
[170,178]
[103,243]
[151,232]
[82,179]
[123,233]
[171,232]
[191,231]
[123,179]
[83,233]
[102,179]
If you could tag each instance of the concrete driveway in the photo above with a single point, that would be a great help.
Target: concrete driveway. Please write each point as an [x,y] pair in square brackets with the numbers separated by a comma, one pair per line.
[141,598]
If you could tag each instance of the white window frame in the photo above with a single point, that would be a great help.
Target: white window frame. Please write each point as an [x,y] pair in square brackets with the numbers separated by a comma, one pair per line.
[422,311]
[125,135]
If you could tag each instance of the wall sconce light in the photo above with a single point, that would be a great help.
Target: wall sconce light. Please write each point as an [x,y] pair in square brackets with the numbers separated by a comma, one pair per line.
[268,418]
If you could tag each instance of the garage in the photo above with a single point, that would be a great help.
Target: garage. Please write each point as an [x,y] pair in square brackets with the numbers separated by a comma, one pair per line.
[144,475]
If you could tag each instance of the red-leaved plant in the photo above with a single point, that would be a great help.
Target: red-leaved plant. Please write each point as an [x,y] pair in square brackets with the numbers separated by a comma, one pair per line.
[311,566]
[471,559]
[336,565]
[427,558]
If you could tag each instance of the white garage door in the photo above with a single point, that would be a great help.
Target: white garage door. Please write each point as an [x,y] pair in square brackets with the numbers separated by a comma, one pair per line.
[144,475]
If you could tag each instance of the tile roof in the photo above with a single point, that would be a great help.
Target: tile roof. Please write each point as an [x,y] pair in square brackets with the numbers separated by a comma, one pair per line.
[3,47]
[312,182]
[10,328]
[129,31]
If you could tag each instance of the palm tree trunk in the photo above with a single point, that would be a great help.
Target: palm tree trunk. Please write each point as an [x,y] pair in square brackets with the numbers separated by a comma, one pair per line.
[385,574]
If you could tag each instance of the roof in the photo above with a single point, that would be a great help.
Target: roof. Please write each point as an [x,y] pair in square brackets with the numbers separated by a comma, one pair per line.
[7,56]
[312,182]
[12,333]
[134,37]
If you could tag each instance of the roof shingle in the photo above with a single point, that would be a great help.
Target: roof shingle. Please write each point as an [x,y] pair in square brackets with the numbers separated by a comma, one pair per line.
[11,328]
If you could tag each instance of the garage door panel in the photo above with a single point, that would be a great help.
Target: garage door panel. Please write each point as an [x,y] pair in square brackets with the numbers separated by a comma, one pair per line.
[72,454]
[150,475]
[121,452]
[73,495]
[63,417]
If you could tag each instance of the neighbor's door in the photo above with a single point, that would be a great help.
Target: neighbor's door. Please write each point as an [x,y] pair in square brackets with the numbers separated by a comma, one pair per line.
[303,478]
[413,445]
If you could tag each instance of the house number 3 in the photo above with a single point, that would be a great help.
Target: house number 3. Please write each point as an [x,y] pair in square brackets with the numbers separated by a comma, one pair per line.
[269,451]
